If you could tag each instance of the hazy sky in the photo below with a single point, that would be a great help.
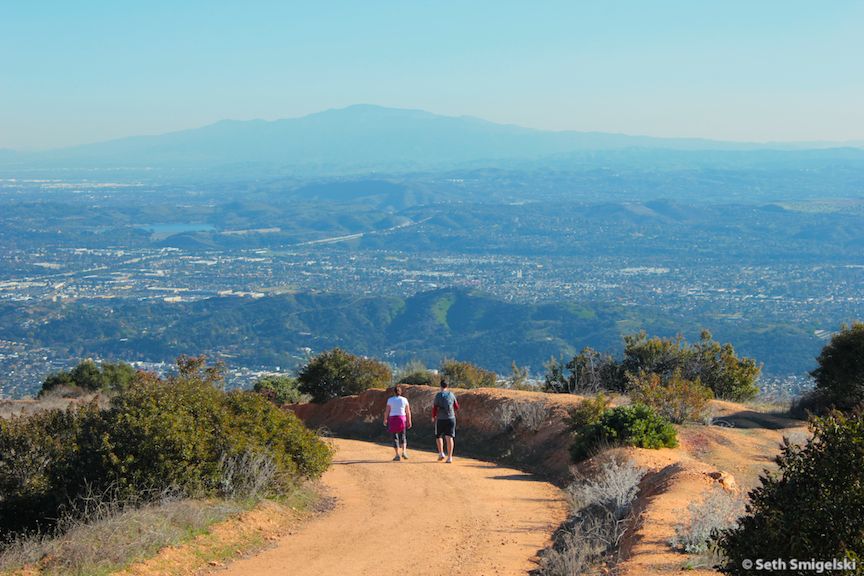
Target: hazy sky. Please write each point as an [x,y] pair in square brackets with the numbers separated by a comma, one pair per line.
[82,71]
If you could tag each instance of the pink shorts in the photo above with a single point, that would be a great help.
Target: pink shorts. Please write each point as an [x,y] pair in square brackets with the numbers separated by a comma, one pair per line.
[397,424]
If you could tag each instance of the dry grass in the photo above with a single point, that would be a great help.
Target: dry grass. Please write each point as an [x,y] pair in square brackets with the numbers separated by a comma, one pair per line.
[115,536]
[58,399]
[527,414]
[101,533]
[600,518]
[719,510]
[148,539]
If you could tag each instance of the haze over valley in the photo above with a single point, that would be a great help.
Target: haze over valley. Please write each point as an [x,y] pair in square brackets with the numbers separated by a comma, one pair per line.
[349,226]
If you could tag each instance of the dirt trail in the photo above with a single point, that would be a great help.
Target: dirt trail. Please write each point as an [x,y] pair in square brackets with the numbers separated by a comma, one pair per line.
[417,517]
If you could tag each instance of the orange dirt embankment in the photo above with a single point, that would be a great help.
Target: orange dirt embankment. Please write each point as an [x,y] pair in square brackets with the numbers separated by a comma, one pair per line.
[521,429]
[708,458]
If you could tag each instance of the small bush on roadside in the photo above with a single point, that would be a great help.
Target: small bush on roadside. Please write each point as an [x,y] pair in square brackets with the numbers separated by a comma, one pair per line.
[176,433]
[600,516]
[813,507]
[527,414]
[588,412]
[720,510]
[634,425]
[677,399]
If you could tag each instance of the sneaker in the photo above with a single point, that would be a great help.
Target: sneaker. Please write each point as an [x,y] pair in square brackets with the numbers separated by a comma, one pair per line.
[404,456]
[449,460]
[440,457]
[396,458]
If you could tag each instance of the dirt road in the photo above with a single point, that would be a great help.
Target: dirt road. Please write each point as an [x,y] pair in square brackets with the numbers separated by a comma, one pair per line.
[417,517]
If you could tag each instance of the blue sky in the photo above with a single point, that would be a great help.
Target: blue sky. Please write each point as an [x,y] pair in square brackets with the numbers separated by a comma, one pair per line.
[83,71]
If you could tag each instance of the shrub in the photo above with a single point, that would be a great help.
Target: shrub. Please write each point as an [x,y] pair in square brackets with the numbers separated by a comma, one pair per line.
[588,412]
[89,376]
[467,375]
[279,389]
[840,375]
[633,425]
[39,457]
[337,373]
[637,425]
[600,517]
[677,399]
[177,433]
[813,507]
[720,510]
[527,414]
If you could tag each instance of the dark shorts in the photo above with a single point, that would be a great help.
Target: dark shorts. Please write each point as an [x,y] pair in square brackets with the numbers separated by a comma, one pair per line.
[445,427]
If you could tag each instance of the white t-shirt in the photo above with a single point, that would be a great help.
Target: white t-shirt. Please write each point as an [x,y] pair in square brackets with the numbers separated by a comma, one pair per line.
[397,404]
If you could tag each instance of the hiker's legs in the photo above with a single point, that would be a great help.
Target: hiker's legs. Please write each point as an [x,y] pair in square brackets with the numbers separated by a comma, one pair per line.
[450,443]
[403,440]
[439,442]
[396,443]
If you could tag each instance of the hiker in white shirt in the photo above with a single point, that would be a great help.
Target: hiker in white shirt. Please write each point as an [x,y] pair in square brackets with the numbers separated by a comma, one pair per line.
[397,418]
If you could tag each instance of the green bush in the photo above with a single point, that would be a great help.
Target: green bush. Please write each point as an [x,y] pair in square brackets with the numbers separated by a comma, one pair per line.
[677,399]
[39,460]
[466,375]
[812,508]
[337,373]
[634,425]
[588,412]
[279,389]
[91,377]
[175,433]
[840,375]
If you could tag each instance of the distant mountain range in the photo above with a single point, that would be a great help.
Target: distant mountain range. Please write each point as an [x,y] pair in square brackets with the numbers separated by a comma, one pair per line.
[364,138]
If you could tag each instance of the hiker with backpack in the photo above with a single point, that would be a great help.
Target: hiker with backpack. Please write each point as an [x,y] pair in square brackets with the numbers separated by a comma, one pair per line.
[444,409]
[397,418]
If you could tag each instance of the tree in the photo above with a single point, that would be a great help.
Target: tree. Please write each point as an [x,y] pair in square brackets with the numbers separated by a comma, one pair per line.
[415,372]
[716,365]
[518,379]
[720,369]
[338,373]
[279,389]
[812,508]
[467,375]
[588,373]
[653,355]
[89,376]
[840,375]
